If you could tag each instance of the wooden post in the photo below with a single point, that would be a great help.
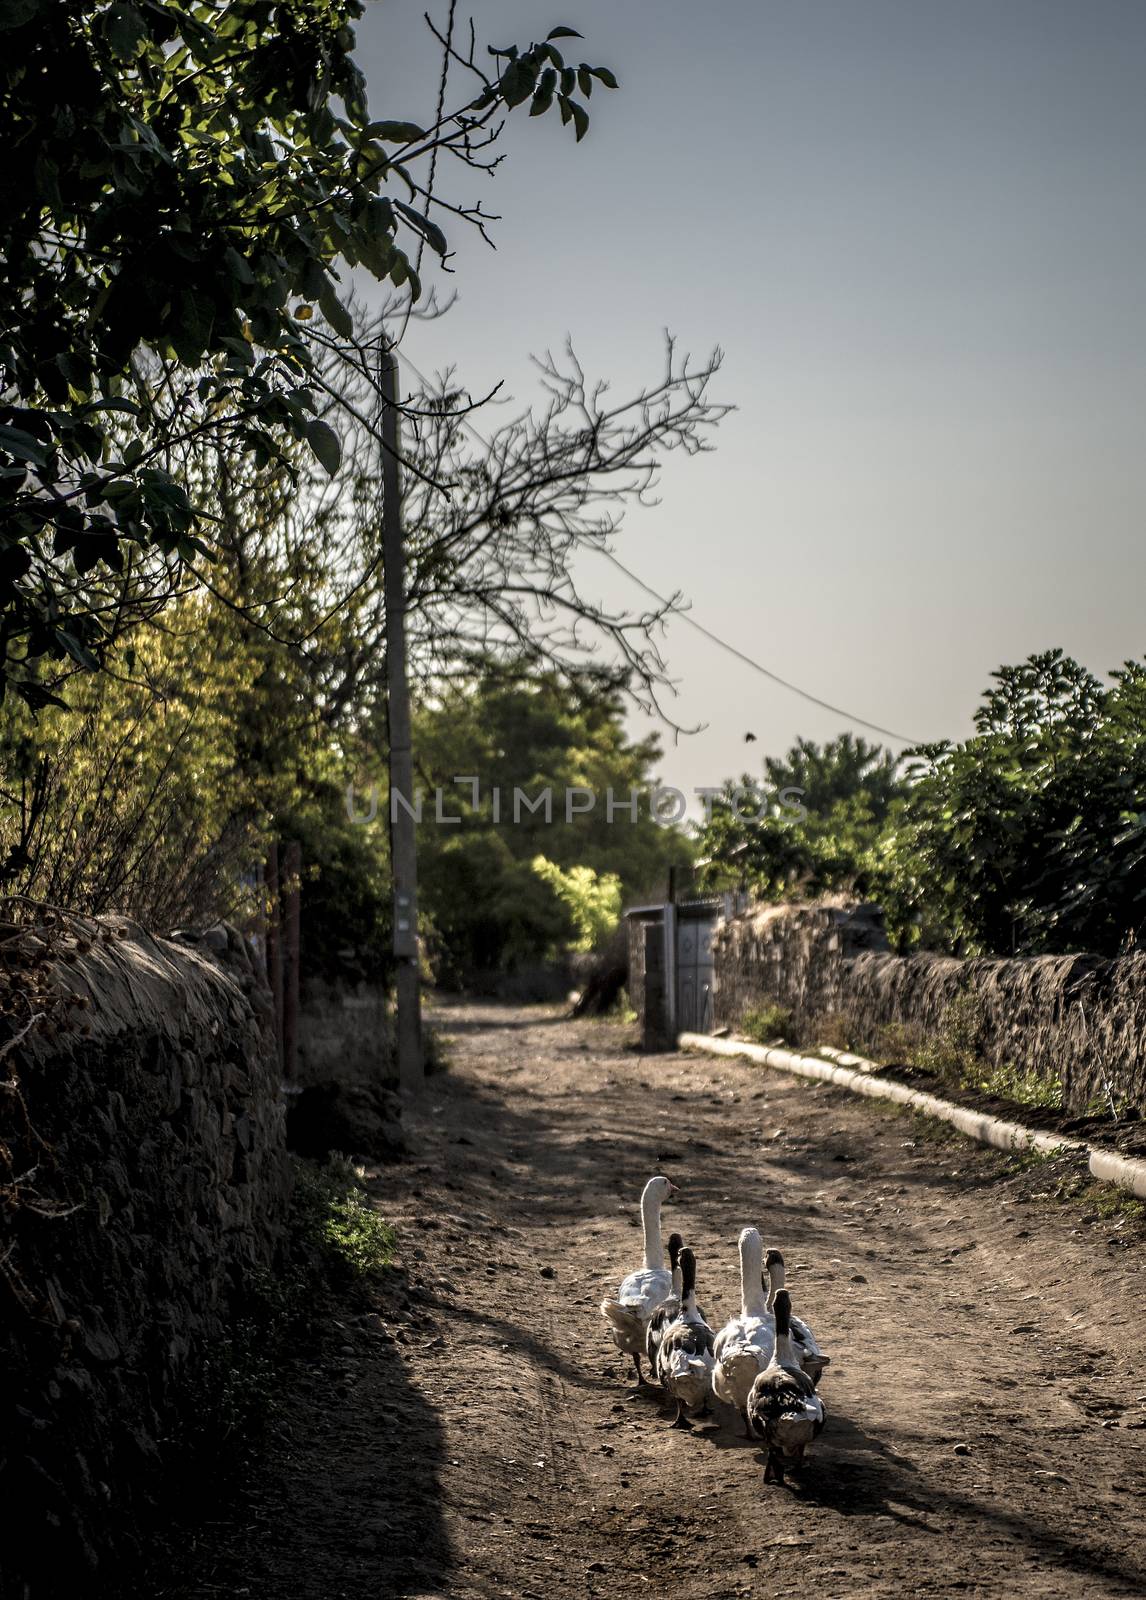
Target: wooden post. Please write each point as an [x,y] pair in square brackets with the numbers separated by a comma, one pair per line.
[654,1032]
[273,898]
[403,849]
[292,873]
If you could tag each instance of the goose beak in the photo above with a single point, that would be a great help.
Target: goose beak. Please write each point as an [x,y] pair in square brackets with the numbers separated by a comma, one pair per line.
[673,1188]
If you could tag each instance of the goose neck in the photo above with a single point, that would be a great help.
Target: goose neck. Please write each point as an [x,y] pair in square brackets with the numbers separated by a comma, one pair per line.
[752,1300]
[651,1222]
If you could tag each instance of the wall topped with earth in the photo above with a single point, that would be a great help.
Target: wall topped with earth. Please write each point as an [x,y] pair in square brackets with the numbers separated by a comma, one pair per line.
[1078,1017]
[147,1182]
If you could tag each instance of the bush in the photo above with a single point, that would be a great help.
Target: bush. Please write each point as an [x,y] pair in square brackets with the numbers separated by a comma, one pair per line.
[769,1023]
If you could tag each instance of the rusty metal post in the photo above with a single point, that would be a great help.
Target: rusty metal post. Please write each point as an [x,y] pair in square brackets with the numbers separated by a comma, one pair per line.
[654,1020]
[403,846]
[292,872]
[274,946]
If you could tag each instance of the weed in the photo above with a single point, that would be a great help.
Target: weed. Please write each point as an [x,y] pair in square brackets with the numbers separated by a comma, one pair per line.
[334,1220]
[1024,1086]
[1027,1160]
[435,1051]
[767,1024]
[619,1014]
[1112,1202]
[953,1053]
[896,1042]
[835,1030]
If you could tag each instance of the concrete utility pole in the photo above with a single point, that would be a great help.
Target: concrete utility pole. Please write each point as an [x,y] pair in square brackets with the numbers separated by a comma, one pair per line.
[403,853]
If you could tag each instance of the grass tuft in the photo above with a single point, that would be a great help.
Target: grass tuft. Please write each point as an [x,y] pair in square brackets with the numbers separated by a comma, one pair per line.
[768,1023]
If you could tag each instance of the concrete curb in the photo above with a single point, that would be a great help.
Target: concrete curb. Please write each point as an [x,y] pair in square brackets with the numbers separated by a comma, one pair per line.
[1105,1165]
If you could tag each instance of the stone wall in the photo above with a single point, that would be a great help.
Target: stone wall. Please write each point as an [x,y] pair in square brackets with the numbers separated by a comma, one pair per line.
[1078,1017]
[150,1133]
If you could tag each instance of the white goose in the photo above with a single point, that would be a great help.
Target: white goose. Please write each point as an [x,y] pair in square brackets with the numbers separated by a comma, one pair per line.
[684,1358]
[812,1358]
[783,1408]
[743,1346]
[643,1292]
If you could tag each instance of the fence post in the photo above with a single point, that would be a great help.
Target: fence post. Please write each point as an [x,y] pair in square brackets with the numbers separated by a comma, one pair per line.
[292,872]
[654,1019]
[274,947]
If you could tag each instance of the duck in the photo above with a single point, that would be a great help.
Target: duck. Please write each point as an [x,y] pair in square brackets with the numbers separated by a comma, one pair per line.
[685,1360]
[812,1358]
[671,1307]
[783,1407]
[743,1347]
[643,1292]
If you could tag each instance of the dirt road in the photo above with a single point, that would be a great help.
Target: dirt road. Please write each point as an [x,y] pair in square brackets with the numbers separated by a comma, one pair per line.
[986,1400]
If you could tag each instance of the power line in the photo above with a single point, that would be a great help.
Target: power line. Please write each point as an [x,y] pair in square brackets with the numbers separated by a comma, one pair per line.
[766,672]
[715,638]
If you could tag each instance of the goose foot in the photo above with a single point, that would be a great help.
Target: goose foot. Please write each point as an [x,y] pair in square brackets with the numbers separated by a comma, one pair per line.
[640,1379]
[681,1420]
[773,1470]
[747,1425]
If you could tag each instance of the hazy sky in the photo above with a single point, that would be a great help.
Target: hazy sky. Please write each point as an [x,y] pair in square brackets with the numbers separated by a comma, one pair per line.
[918,230]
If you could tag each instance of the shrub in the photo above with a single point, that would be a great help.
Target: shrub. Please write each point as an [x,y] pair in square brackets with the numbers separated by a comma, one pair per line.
[768,1023]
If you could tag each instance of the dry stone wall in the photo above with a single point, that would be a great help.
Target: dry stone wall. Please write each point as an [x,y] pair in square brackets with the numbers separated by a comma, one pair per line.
[152,1128]
[1078,1017]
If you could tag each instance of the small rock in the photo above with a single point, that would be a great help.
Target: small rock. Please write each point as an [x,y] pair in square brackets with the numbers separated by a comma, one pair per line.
[548,1272]
[962,1450]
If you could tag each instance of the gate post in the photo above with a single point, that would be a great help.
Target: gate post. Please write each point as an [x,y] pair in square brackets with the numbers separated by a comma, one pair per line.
[655,1034]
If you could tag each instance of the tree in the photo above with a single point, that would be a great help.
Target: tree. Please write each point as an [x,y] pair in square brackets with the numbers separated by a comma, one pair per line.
[183,180]
[811,827]
[511,728]
[1031,836]
[495,525]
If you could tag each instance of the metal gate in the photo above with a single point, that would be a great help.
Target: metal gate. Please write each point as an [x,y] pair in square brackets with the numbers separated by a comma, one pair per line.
[694,967]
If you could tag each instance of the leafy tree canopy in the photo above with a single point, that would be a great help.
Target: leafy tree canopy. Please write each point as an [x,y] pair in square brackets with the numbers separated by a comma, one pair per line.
[813,829]
[1031,836]
[181,180]
[510,727]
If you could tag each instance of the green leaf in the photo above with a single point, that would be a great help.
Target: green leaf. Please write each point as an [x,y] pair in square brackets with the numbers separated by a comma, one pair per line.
[604,76]
[430,231]
[79,653]
[23,446]
[36,697]
[580,119]
[395,132]
[124,29]
[543,99]
[517,82]
[334,311]
[239,267]
[323,440]
[564,33]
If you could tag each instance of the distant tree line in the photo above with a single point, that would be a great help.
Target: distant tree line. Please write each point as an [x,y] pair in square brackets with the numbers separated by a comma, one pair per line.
[1029,837]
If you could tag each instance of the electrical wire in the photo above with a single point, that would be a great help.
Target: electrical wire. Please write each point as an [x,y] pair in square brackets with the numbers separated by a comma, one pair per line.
[685,616]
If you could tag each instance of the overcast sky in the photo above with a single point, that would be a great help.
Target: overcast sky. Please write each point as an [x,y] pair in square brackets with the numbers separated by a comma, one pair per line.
[917,228]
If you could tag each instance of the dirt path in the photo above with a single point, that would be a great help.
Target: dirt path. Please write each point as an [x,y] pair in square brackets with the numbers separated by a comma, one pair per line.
[483,1440]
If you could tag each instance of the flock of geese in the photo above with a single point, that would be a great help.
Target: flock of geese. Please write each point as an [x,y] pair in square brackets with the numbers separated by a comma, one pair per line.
[765,1362]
